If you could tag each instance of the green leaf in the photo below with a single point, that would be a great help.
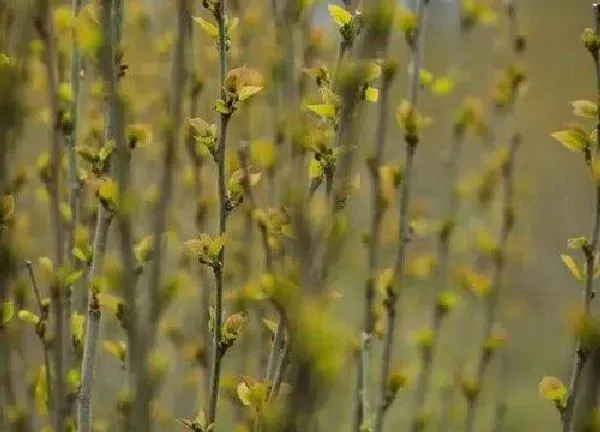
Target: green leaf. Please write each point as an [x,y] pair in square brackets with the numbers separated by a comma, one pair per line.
[108,191]
[552,389]
[80,255]
[243,393]
[385,280]
[221,107]
[443,86]
[7,312]
[247,92]
[371,94]
[216,246]
[77,322]
[572,266]
[574,139]
[339,15]
[326,111]
[28,317]
[315,169]
[585,108]
[425,77]
[209,28]
[73,277]
[106,151]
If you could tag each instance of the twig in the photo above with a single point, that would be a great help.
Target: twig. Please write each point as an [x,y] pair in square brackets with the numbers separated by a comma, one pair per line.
[590,251]
[43,311]
[144,389]
[217,355]
[444,241]
[499,262]
[45,28]
[108,65]
[406,190]
[378,208]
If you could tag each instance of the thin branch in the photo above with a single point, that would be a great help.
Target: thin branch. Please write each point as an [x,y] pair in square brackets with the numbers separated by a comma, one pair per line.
[217,355]
[108,66]
[390,302]
[590,251]
[46,30]
[43,312]
[377,205]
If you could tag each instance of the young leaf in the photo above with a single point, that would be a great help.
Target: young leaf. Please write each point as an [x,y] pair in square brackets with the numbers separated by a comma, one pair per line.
[315,169]
[326,111]
[7,312]
[247,92]
[371,94]
[28,317]
[572,266]
[243,392]
[552,389]
[209,28]
[339,15]
[585,108]
[574,139]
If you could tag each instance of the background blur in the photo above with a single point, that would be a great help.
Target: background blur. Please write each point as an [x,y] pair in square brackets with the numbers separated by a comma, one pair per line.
[554,195]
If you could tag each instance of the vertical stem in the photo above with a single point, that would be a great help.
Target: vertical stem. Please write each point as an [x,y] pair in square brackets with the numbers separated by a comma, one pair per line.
[46,30]
[581,352]
[444,241]
[147,333]
[223,212]
[364,361]
[406,191]
[499,262]
[111,24]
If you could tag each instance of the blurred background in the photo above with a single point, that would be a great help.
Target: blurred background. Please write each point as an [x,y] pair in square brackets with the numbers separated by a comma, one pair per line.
[554,194]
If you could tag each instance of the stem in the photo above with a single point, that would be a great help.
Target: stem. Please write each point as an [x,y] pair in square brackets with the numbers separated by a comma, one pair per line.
[364,365]
[92,330]
[38,299]
[406,190]
[442,273]
[104,218]
[46,31]
[499,262]
[144,390]
[217,355]
[71,142]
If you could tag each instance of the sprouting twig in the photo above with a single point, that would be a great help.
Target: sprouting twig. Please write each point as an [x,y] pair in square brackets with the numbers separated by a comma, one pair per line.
[444,241]
[38,299]
[364,365]
[104,218]
[406,191]
[178,77]
[582,352]
[45,29]
[217,355]
[278,349]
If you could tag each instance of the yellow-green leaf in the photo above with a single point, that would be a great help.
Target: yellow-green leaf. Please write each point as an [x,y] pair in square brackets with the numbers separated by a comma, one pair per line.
[339,15]
[572,266]
[315,169]
[77,322]
[442,85]
[385,280]
[323,110]
[209,28]
[574,139]
[7,312]
[243,392]
[371,94]
[28,317]
[585,108]
[248,91]
[552,389]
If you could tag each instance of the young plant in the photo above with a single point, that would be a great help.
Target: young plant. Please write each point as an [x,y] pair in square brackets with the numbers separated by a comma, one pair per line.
[577,139]
[412,122]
